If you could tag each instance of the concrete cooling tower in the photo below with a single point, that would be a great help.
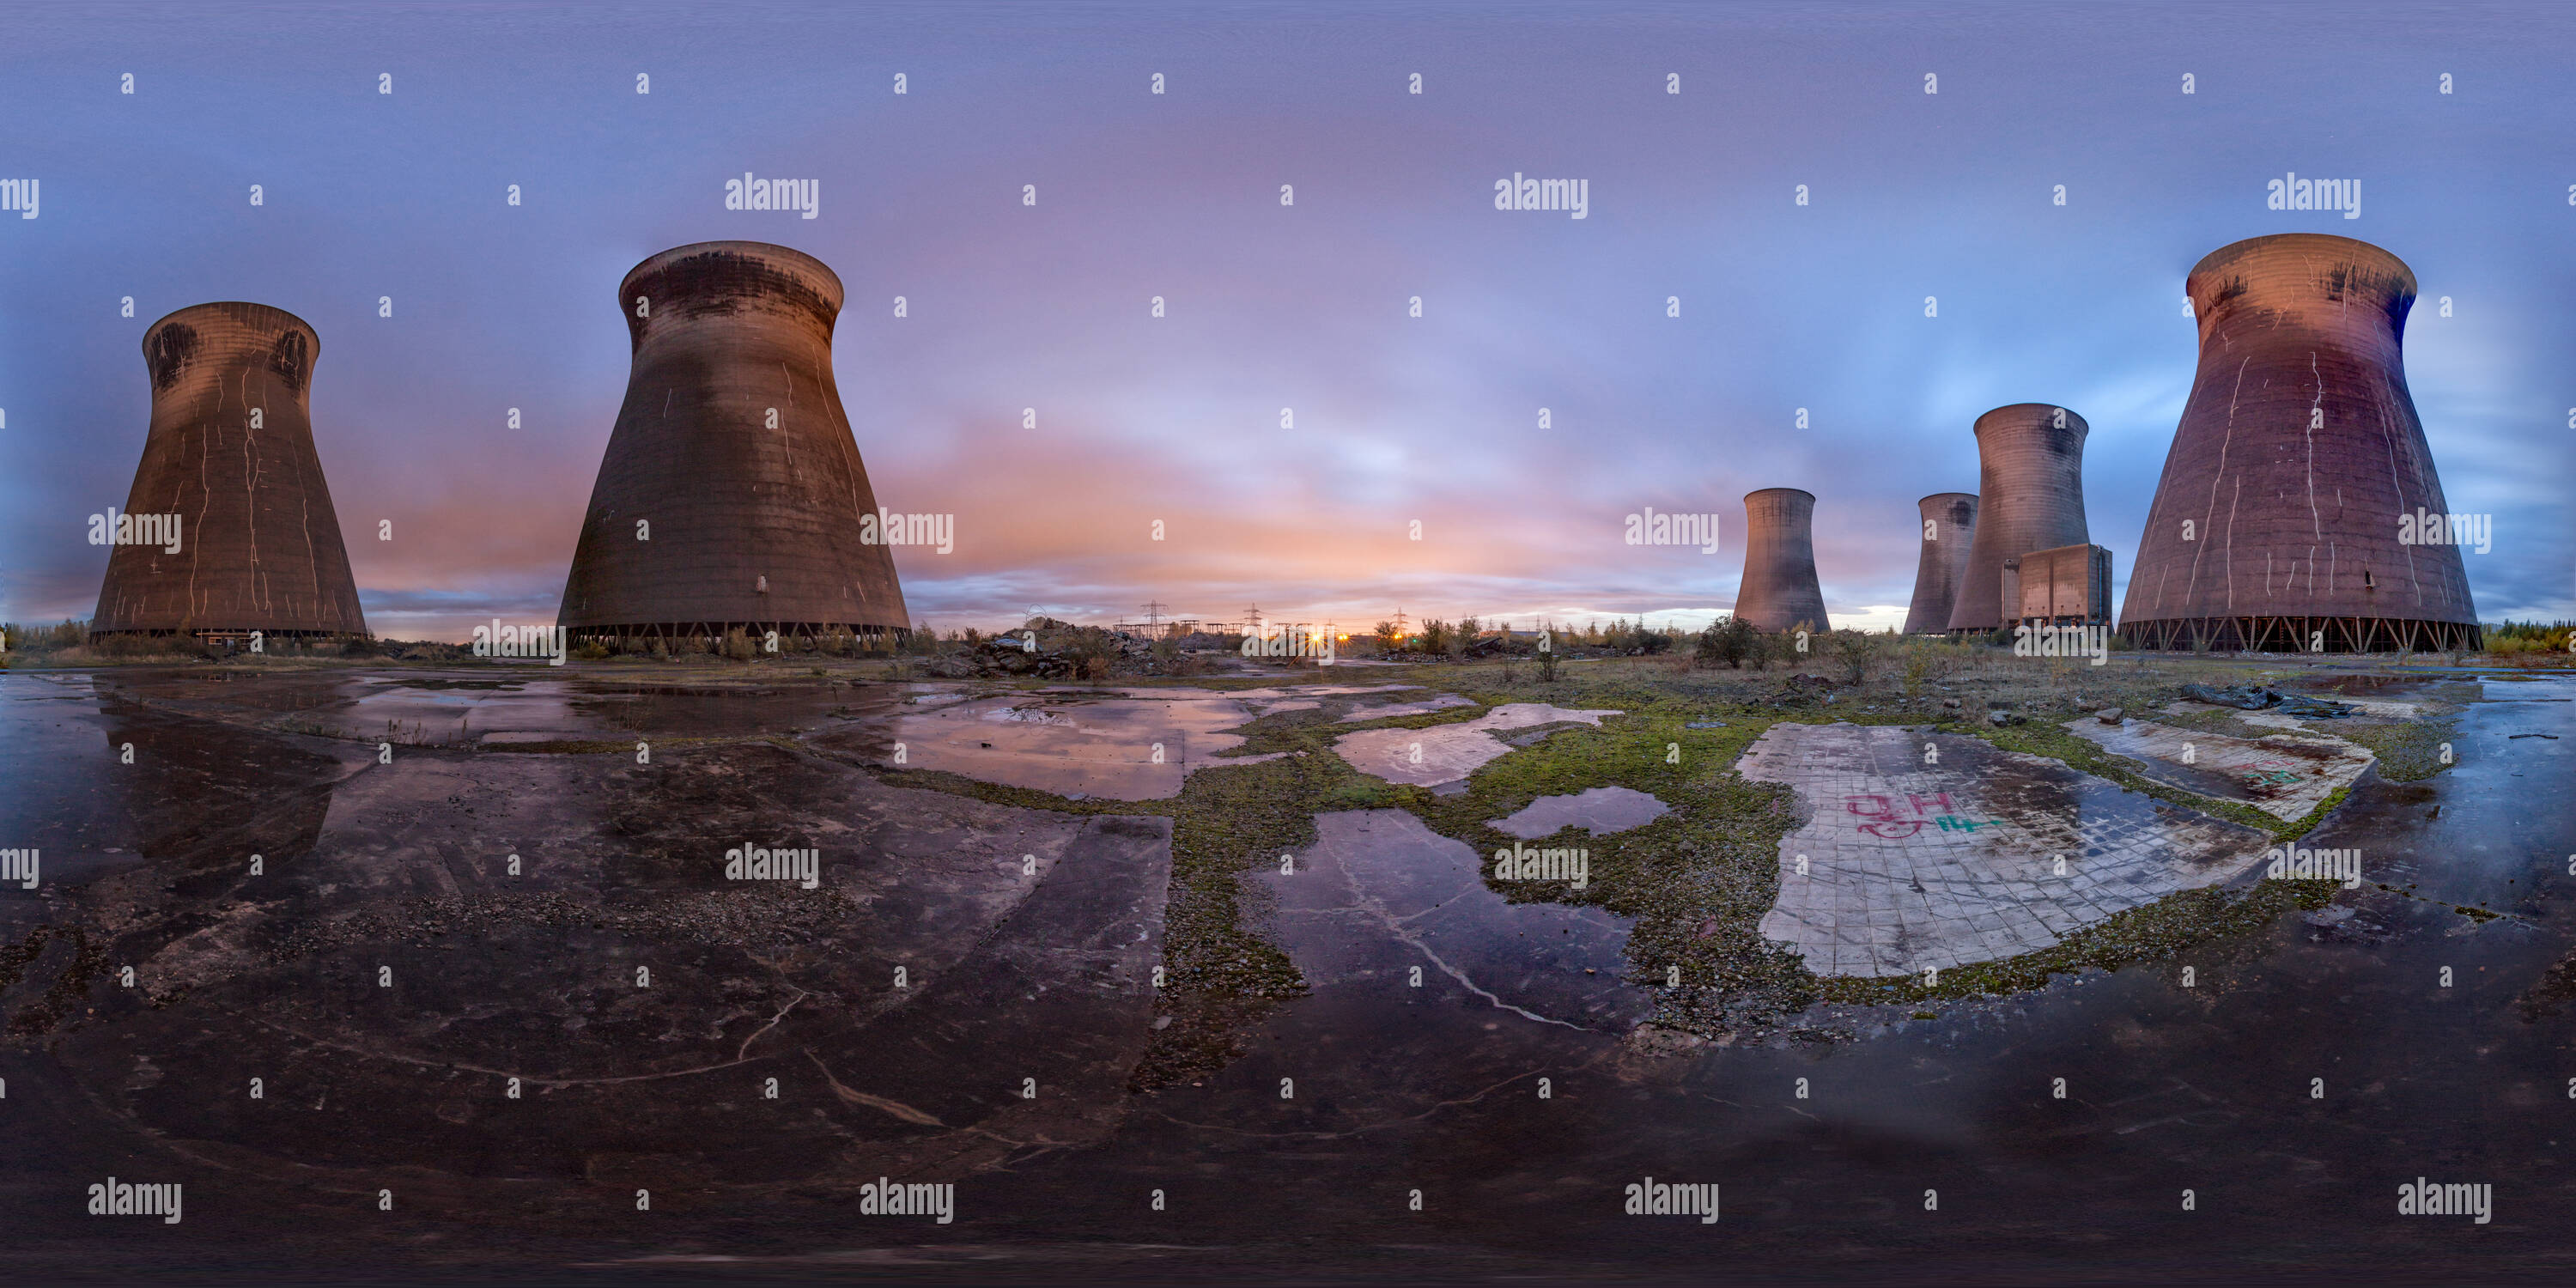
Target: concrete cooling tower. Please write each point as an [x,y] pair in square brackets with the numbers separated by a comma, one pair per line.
[1779,589]
[229,527]
[2299,495]
[1949,529]
[2030,496]
[732,494]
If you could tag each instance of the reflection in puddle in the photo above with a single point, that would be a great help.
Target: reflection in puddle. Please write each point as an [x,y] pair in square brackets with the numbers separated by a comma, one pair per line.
[1379,878]
[1600,811]
[1445,754]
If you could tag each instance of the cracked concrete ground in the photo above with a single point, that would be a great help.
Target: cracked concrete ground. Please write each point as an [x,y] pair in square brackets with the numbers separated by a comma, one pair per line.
[386,976]
[2285,776]
[1909,861]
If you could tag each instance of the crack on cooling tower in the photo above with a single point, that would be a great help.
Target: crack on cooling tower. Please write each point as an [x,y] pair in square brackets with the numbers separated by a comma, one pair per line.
[2316,525]
[2234,396]
[2235,495]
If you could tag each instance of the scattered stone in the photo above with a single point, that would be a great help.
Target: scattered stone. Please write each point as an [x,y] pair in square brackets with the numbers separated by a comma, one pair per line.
[1999,717]
[2110,715]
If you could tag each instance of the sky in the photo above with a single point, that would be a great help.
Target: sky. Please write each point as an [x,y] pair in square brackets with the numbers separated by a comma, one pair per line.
[1274,311]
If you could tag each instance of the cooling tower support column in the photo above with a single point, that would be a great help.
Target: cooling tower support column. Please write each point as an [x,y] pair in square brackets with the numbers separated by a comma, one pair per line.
[732,495]
[1779,590]
[1949,529]
[228,528]
[2299,510]
[2030,496]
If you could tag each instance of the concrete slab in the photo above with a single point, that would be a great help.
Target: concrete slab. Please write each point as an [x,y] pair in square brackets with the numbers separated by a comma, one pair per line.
[1910,862]
[2284,776]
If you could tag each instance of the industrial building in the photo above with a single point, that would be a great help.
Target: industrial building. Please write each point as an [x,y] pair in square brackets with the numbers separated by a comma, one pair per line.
[2299,495]
[1779,590]
[2030,496]
[731,496]
[228,530]
[2068,586]
[1949,532]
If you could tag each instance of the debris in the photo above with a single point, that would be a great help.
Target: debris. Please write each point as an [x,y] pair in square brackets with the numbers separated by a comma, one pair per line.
[2257,698]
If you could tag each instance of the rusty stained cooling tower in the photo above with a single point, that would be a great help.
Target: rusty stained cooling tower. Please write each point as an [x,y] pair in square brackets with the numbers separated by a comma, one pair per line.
[1949,529]
[749,522]
[1779,589]
[230,453]
[2277,522]
[2030,496]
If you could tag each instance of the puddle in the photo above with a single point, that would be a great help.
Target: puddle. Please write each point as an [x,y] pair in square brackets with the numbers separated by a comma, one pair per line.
[1600,811]
[1115,747]
[1445,754]
[1379,893]
[1438,702]
[1909,865]
[2286,777]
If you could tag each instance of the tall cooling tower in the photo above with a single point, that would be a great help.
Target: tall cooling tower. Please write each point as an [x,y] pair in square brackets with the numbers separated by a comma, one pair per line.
[1779,589]
[230,455]
[2030,496]
[1949,528]
[2277,524]
[732,494]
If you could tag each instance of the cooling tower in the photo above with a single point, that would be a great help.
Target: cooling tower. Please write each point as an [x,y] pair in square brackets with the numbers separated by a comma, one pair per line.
[1949,527]
[2030,496]
[1779,589]
[230,459]
[2299,489]
[732,494]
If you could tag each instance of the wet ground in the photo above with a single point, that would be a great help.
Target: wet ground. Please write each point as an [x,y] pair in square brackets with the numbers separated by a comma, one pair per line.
[1598,810]
[1442,756]
[1482,1124]
[2284,775]
[1929,851]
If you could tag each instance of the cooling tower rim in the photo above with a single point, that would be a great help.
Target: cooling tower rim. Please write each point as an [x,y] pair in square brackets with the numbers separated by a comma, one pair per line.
[1767,491]
[2015,415]
[765,250]
[1946,496]
[2352,248]
[228,306]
